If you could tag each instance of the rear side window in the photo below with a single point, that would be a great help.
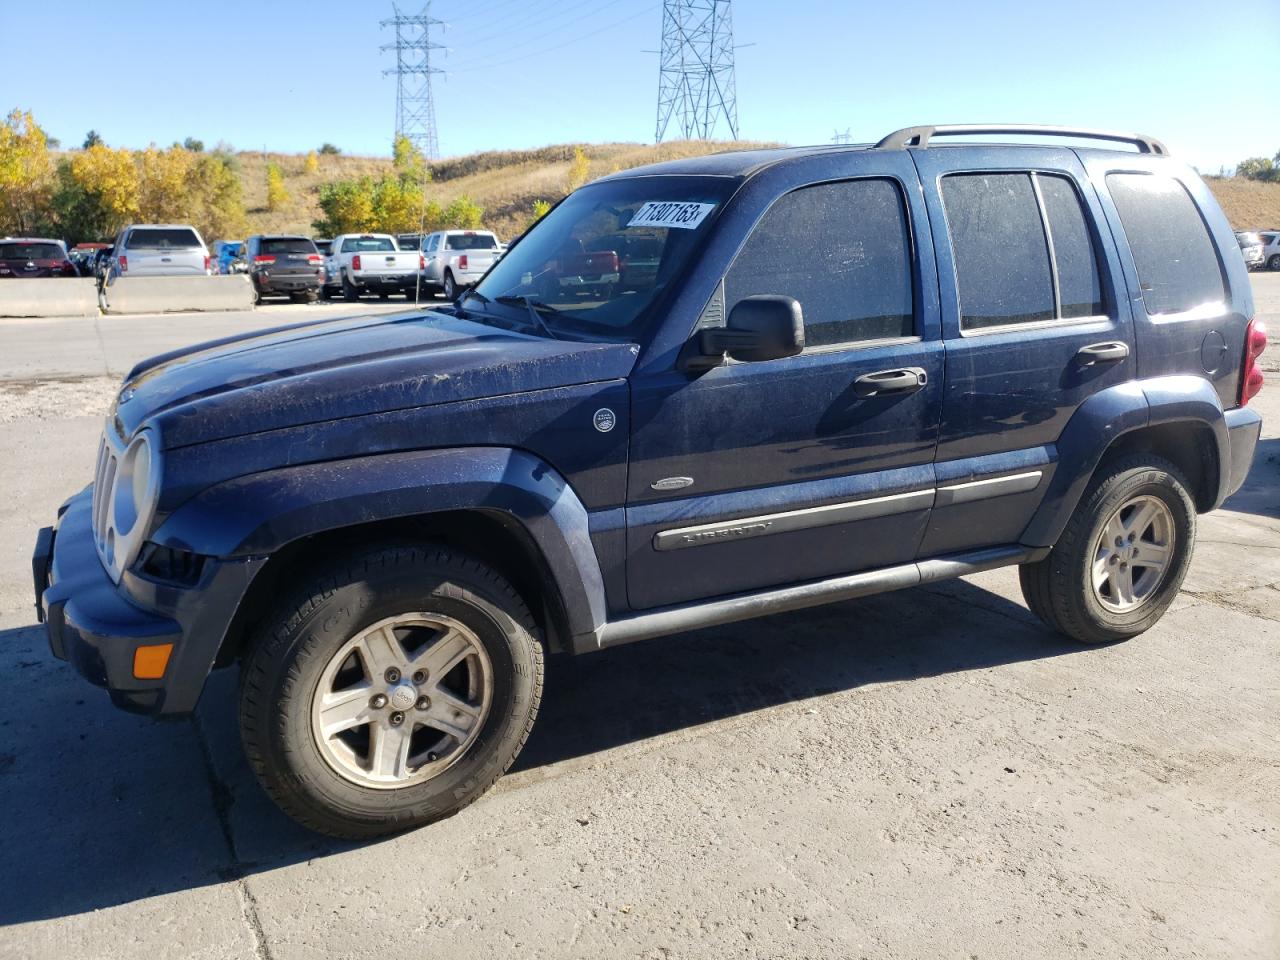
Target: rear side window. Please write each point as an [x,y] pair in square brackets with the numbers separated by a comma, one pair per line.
[162,238]
[287,245]
[1023,249]
[1074,258]
[1177,263]
[843,250]
[471,241]
[1000,249]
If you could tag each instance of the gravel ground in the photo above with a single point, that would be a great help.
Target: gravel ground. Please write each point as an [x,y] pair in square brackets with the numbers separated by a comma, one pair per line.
[921,774]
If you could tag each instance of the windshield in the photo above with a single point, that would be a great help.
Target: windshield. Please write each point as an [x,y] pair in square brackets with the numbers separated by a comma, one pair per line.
[163,238]
[30,251]
[287,245]
[598,260]
[365,244]
[471,241]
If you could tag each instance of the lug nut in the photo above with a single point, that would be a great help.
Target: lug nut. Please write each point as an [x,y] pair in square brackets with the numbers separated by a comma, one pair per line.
[397,718]
[1119,541]
[1114,559]
[420,676]
[393,675]
[424,703]
[378,701]
[432,757]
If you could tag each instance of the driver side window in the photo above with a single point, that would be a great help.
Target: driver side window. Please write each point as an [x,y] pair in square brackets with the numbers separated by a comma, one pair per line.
[843,251]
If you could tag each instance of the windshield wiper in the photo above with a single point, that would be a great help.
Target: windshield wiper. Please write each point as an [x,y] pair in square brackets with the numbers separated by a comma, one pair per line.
[535,308]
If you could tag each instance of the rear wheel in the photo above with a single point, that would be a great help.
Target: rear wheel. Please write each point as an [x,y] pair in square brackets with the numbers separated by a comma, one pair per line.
[450,289]
[390,692]
[1274,262]
[349,292]
[1122,557]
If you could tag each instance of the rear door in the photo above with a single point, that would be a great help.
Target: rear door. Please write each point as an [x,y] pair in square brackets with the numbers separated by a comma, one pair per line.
[1035,320]
[751,475]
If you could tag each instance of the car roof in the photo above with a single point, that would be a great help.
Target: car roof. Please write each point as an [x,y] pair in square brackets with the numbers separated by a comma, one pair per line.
[32,240]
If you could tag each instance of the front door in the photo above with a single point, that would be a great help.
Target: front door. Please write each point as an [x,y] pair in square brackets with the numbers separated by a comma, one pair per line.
[751,475]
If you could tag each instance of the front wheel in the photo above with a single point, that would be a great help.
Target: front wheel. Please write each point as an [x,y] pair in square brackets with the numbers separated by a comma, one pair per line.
[390,692]
[1122,557]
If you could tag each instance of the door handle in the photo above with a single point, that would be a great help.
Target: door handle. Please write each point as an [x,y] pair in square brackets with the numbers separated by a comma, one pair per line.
[906,380]
[1102,353]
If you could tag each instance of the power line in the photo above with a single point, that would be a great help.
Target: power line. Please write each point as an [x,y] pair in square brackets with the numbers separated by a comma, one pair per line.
[415,102]
[526,39]
[542,51]
[696,83]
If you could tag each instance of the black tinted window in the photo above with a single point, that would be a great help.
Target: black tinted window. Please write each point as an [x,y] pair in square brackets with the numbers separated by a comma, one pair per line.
[1177,264]
[31,251]
[843,251]
[471,241]
[1078,282]
[287,245]
[1001,256]
[162,237]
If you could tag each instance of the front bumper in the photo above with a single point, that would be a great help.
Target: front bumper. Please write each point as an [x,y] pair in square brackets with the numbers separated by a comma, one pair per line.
[97,626]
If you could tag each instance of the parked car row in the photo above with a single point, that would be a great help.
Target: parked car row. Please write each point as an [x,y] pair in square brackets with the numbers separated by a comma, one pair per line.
[1260,248]
[301,268]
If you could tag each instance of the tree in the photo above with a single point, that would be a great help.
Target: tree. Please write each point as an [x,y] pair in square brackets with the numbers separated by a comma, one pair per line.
[217,198]
[408,159]
[92,139]
[463,214]
[1258,168]
[312,163]
[540,209]
[194,145]
[100,191]
[579,169]
[347,206]
[26,173]
[277,196]
[329,150]
[165,195]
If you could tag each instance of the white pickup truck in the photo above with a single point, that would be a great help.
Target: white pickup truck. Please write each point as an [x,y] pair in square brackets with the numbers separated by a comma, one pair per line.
[371,263]
[455,259]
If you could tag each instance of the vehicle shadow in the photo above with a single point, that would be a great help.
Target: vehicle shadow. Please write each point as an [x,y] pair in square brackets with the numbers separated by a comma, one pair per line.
[1258,493]
[105,808]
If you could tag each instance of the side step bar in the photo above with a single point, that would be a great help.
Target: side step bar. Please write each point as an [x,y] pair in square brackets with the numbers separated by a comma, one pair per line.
[745,606]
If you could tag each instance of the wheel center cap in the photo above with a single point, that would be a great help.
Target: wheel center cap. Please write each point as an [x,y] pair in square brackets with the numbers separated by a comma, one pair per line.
[403,696]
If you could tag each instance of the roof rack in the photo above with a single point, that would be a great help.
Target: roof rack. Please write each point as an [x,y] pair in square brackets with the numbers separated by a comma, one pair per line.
[920,136]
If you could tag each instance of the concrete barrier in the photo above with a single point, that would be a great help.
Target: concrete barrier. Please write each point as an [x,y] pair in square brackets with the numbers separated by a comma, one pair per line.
[48,297]
[178,294]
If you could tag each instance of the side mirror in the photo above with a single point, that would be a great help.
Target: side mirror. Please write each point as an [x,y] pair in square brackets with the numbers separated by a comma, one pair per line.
[759,328]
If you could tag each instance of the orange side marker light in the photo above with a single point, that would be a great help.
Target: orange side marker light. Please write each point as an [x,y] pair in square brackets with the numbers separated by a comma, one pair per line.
[150,661]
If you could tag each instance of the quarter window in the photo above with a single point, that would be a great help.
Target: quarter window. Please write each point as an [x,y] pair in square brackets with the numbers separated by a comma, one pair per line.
[1076,262]
[1177,263]
[843,250]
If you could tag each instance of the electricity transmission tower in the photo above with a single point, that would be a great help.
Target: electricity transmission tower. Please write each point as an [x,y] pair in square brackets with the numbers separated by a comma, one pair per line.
[839,137]
[696,85]
[415,104]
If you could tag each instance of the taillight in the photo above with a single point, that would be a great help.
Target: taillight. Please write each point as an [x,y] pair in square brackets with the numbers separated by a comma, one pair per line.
[462,262]
[264,258]
[355,262]
[207,262]
[314,258]
[422,262]
[1251,379]
[124,263]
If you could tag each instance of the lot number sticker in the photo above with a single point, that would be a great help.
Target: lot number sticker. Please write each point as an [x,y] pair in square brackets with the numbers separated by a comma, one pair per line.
[671,213]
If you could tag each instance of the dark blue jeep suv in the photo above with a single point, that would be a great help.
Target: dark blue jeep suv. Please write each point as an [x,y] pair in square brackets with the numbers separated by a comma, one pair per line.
[693,393]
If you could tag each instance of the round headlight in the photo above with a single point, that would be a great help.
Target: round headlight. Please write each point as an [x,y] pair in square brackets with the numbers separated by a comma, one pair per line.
[132,483]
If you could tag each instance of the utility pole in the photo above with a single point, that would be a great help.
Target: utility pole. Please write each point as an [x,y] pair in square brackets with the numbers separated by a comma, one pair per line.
[415,103]
[696,83]
[838,137]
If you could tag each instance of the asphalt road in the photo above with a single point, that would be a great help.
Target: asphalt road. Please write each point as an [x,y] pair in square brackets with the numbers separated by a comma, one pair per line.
[922,774]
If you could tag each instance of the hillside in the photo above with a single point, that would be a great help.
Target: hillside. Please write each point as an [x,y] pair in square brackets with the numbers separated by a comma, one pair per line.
[505,183]
[1249,204]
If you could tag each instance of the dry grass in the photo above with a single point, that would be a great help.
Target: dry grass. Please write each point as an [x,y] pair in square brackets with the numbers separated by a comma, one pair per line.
[1249,204]
[506,183]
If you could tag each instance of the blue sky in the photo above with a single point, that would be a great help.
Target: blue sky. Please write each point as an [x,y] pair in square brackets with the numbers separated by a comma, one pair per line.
[289,75]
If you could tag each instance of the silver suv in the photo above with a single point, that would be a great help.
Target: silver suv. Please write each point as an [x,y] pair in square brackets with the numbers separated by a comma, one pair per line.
[1271,248]
[159,250]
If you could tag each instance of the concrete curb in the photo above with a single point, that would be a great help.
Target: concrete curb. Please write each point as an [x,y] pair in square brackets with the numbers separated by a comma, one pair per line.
[177,294]
[48,297]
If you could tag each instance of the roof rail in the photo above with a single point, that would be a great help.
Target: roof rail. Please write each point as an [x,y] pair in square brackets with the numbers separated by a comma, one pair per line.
[920,136]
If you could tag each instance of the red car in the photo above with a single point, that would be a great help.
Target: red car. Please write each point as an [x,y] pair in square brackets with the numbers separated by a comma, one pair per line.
[27,257]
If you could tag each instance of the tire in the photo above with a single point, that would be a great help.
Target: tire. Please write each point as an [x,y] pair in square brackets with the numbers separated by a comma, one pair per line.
[349,292]
[1274,262]
[313,778]
[1060,589]
[450,287]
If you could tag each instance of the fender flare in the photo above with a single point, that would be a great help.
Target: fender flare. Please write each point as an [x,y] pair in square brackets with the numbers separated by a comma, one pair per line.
[256,515]
[1105,417]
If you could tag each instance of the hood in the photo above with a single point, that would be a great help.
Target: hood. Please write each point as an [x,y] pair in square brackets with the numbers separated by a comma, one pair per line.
[327,370]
